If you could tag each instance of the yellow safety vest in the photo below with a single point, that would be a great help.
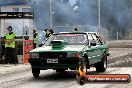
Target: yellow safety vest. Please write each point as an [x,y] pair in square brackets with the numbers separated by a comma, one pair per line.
[11,45]
[35,38]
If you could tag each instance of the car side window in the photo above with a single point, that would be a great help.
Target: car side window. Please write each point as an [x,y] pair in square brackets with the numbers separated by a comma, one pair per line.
[96,38]
[90,38]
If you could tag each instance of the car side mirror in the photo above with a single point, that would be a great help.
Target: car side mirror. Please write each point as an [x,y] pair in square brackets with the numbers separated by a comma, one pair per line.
[93,43]
[108,54]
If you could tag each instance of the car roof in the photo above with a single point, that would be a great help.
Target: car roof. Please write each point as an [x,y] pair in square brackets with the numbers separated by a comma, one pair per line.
[69,33]
[91,32]
[72,32]
[77,32]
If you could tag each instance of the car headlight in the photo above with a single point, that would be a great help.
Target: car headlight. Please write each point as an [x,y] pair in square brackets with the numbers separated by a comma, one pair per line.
[34,55]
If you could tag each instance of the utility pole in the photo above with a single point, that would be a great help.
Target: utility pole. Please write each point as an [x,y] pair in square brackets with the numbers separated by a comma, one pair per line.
[117,35]
[99,17]
[51,25]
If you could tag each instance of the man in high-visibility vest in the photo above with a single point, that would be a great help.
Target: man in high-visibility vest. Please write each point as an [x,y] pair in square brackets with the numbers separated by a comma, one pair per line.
[10,45]
[34,38]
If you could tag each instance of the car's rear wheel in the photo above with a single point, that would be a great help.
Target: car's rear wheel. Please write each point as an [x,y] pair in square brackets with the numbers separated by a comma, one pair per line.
[35,72]
[102,65]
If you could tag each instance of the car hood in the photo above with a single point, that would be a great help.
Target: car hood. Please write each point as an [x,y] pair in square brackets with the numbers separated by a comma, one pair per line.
[66,48]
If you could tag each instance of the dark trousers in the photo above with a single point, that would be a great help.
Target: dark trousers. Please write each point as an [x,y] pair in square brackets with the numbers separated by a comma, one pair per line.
[11,56]
[34,45]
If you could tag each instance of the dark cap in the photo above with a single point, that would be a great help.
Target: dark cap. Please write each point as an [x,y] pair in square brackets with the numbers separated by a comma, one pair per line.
[9,27]
[51,31]
[75,29]
[45,30]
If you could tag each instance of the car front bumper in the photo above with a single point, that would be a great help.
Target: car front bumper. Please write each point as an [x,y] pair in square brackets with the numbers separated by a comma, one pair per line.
[63,63]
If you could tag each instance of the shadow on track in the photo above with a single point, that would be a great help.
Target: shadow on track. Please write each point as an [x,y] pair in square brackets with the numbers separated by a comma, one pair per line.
[60,76]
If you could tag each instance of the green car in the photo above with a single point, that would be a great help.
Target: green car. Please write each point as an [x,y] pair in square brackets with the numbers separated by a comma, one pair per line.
[66,50]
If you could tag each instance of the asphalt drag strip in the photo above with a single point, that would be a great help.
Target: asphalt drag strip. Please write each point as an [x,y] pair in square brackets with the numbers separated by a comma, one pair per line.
[121,61]
[48,78]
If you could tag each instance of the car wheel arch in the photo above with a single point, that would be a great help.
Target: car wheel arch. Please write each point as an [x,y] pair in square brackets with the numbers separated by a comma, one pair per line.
[104,56]
[104,51]
[84,54]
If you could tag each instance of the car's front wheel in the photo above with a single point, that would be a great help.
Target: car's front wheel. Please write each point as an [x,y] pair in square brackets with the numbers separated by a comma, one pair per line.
[102,65]
[35,72]
[83,65]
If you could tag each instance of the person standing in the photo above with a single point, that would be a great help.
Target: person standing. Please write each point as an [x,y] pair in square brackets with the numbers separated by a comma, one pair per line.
[51,31]
[9,39]
[47,35]
[34,38]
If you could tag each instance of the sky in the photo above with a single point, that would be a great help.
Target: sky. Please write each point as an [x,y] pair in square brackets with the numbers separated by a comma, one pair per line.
[72,1]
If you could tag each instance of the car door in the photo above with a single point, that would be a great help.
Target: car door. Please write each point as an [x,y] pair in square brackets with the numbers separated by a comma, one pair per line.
[92,50]
[100,46]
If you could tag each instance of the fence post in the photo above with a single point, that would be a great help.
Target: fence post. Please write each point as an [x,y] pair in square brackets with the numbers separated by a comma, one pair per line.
[117,35]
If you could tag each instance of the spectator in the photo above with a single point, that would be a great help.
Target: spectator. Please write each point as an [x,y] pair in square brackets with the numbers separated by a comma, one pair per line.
[47,33]
[34,38]
[10,45]
[51,31]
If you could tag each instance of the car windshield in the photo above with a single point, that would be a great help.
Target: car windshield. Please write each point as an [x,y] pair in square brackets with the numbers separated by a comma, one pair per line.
[71,39]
